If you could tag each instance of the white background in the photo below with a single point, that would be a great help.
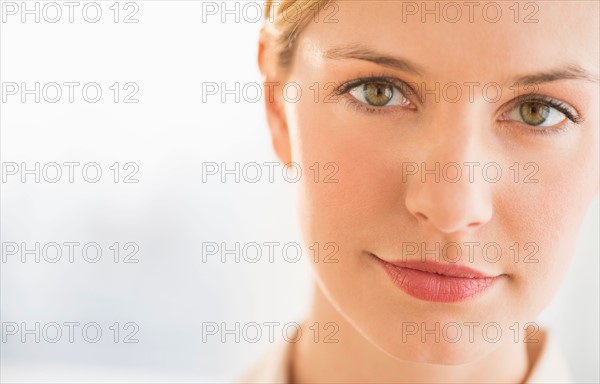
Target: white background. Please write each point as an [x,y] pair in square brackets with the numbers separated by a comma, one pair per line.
[170,212]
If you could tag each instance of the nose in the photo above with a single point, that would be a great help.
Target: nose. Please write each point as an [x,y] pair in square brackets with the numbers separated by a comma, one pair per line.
[450,195]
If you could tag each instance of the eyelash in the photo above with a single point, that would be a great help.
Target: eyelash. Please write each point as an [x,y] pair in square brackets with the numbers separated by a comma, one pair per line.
[345,87]
[569,112]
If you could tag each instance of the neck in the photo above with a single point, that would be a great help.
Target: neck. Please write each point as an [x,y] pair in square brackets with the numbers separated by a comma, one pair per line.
[354,359]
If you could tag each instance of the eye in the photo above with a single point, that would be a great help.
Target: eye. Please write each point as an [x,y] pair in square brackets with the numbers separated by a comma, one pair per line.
[537,113]
[379,94]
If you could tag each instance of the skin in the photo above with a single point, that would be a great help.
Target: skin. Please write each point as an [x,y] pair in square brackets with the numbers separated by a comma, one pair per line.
[374,208]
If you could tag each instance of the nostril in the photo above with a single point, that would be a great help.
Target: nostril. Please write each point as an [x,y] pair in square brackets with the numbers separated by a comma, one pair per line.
[420,216]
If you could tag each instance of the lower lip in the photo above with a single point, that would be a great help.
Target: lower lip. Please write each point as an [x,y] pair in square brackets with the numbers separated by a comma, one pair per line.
[435,287]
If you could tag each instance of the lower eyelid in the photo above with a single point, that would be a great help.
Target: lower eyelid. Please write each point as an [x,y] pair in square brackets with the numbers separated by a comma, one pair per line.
[524,128]
[355,104]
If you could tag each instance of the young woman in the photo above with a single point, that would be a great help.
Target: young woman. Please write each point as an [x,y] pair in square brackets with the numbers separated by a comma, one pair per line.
[457,145]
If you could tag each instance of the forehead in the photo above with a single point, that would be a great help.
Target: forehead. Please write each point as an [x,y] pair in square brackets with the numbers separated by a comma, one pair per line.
[453,39]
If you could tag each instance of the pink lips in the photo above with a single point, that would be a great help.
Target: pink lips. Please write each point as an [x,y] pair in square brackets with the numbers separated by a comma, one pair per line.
[444,283]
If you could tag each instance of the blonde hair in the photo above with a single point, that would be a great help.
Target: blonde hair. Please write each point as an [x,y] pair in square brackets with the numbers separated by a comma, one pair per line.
[283,22]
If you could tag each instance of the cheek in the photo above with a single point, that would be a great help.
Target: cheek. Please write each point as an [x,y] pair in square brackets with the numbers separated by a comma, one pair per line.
[351,183]
[546,216]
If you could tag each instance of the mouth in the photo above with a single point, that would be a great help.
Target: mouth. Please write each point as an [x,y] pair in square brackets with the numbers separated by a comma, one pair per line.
[437,282]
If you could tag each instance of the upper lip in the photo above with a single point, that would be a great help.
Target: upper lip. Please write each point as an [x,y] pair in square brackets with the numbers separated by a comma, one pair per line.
[449,270]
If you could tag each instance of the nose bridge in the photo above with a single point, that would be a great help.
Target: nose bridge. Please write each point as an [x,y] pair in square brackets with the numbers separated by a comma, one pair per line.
[454,136]
[446,190]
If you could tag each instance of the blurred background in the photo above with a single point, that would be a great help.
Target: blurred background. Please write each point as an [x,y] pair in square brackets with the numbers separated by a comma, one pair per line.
[131,238]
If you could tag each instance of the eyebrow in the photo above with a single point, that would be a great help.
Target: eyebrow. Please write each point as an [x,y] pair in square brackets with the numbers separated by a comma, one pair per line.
[569,72]
[363,53]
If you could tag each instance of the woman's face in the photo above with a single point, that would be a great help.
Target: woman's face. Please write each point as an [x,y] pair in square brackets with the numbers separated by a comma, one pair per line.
[452,168]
